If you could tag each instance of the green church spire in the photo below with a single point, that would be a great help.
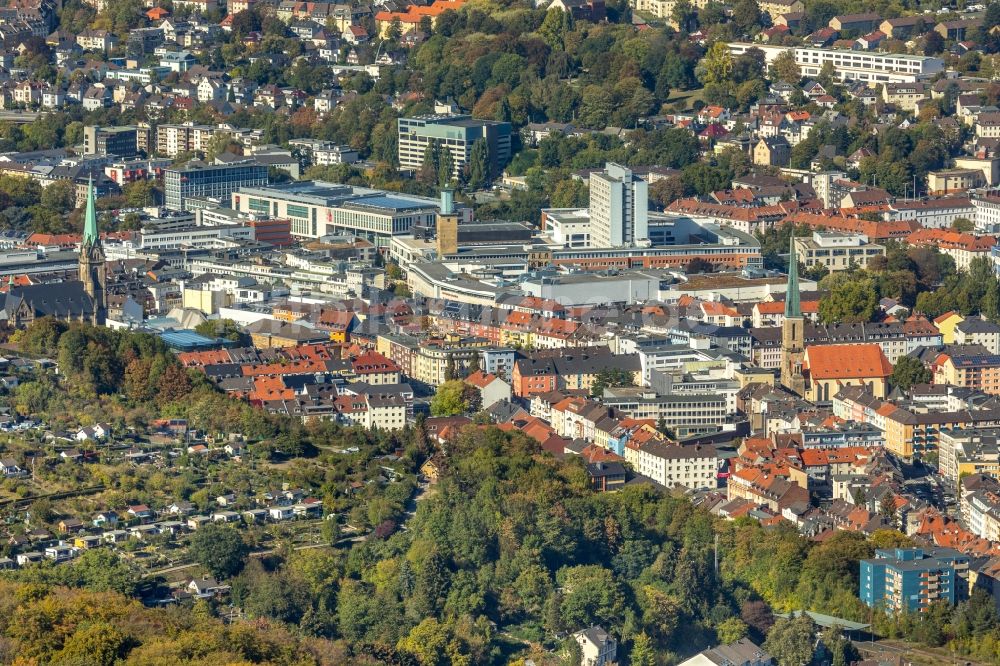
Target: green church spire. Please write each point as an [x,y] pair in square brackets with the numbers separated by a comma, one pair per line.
[792,307]
[90,236]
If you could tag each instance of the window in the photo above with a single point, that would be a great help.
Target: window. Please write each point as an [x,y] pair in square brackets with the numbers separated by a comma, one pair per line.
[297,211]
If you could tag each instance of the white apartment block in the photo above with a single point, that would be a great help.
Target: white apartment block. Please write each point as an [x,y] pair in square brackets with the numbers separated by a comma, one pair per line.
[987,213]
[852,65]
[693,466]
[935,213]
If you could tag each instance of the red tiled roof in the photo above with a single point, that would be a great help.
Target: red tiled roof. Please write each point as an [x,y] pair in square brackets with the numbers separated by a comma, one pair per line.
[846,361]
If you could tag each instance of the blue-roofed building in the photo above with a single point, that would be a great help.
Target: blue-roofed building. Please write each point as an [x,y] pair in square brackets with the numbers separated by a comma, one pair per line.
[912,579]
[317,208]
[185,340]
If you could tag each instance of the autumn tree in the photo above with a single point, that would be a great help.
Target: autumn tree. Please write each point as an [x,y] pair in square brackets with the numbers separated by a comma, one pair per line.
[785,68]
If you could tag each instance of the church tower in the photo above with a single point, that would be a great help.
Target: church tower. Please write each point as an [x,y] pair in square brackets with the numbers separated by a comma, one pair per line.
[793,329]
[92,270]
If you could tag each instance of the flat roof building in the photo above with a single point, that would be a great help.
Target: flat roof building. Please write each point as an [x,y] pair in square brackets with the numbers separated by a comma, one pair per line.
[457,133]
[318,208]
[198,180]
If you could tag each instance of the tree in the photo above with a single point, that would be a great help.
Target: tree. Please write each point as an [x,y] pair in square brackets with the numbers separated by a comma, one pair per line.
[449,399]
[785,68]
[852,301]
[592,596]
[731,630]
[60,196]
[909,371]
[746,16]
[963,225]
[933,43]
[610,377]
[790,641]
[445,167]
[427,642]
[683,15]
[717,66]
[479,164]
[698,265]
[395,30]
[140,193]
[98,644]
[642,653]
[219,549]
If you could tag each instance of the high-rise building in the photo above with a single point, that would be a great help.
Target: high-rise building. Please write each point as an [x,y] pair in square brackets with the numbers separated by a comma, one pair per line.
[793,345]
[619,207]
[198,180]
[911,579]
[456,133]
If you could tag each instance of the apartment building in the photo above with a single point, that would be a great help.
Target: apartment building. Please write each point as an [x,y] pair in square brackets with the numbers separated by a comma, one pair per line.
[904,96]
[965,451]
[980,372]
[836,250]
[961,247]
[692,466]
[911,579]
[172,140]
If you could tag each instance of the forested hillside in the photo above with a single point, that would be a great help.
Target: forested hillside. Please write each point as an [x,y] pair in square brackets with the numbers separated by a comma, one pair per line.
[505,555]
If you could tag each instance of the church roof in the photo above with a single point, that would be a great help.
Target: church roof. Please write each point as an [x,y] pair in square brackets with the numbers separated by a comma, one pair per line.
[792,306]
[90,235]
[62,300]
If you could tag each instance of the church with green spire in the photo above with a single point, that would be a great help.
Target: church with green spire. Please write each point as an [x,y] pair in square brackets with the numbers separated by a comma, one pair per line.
[92,259]
[81,300]
[793,332]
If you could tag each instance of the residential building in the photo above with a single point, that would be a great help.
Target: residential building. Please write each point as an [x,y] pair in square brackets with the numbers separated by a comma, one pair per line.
[978,331]
[836,250]
[975,371]
[741,653]
[905,96]
[772,151]
[911,579]
[692,466]
[597,647]
[962,247]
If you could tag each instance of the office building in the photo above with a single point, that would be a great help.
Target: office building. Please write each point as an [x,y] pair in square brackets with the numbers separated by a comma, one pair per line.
[317,208]
[198,180]
[456,133]
[911,579]
[120,141]
[619,207]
